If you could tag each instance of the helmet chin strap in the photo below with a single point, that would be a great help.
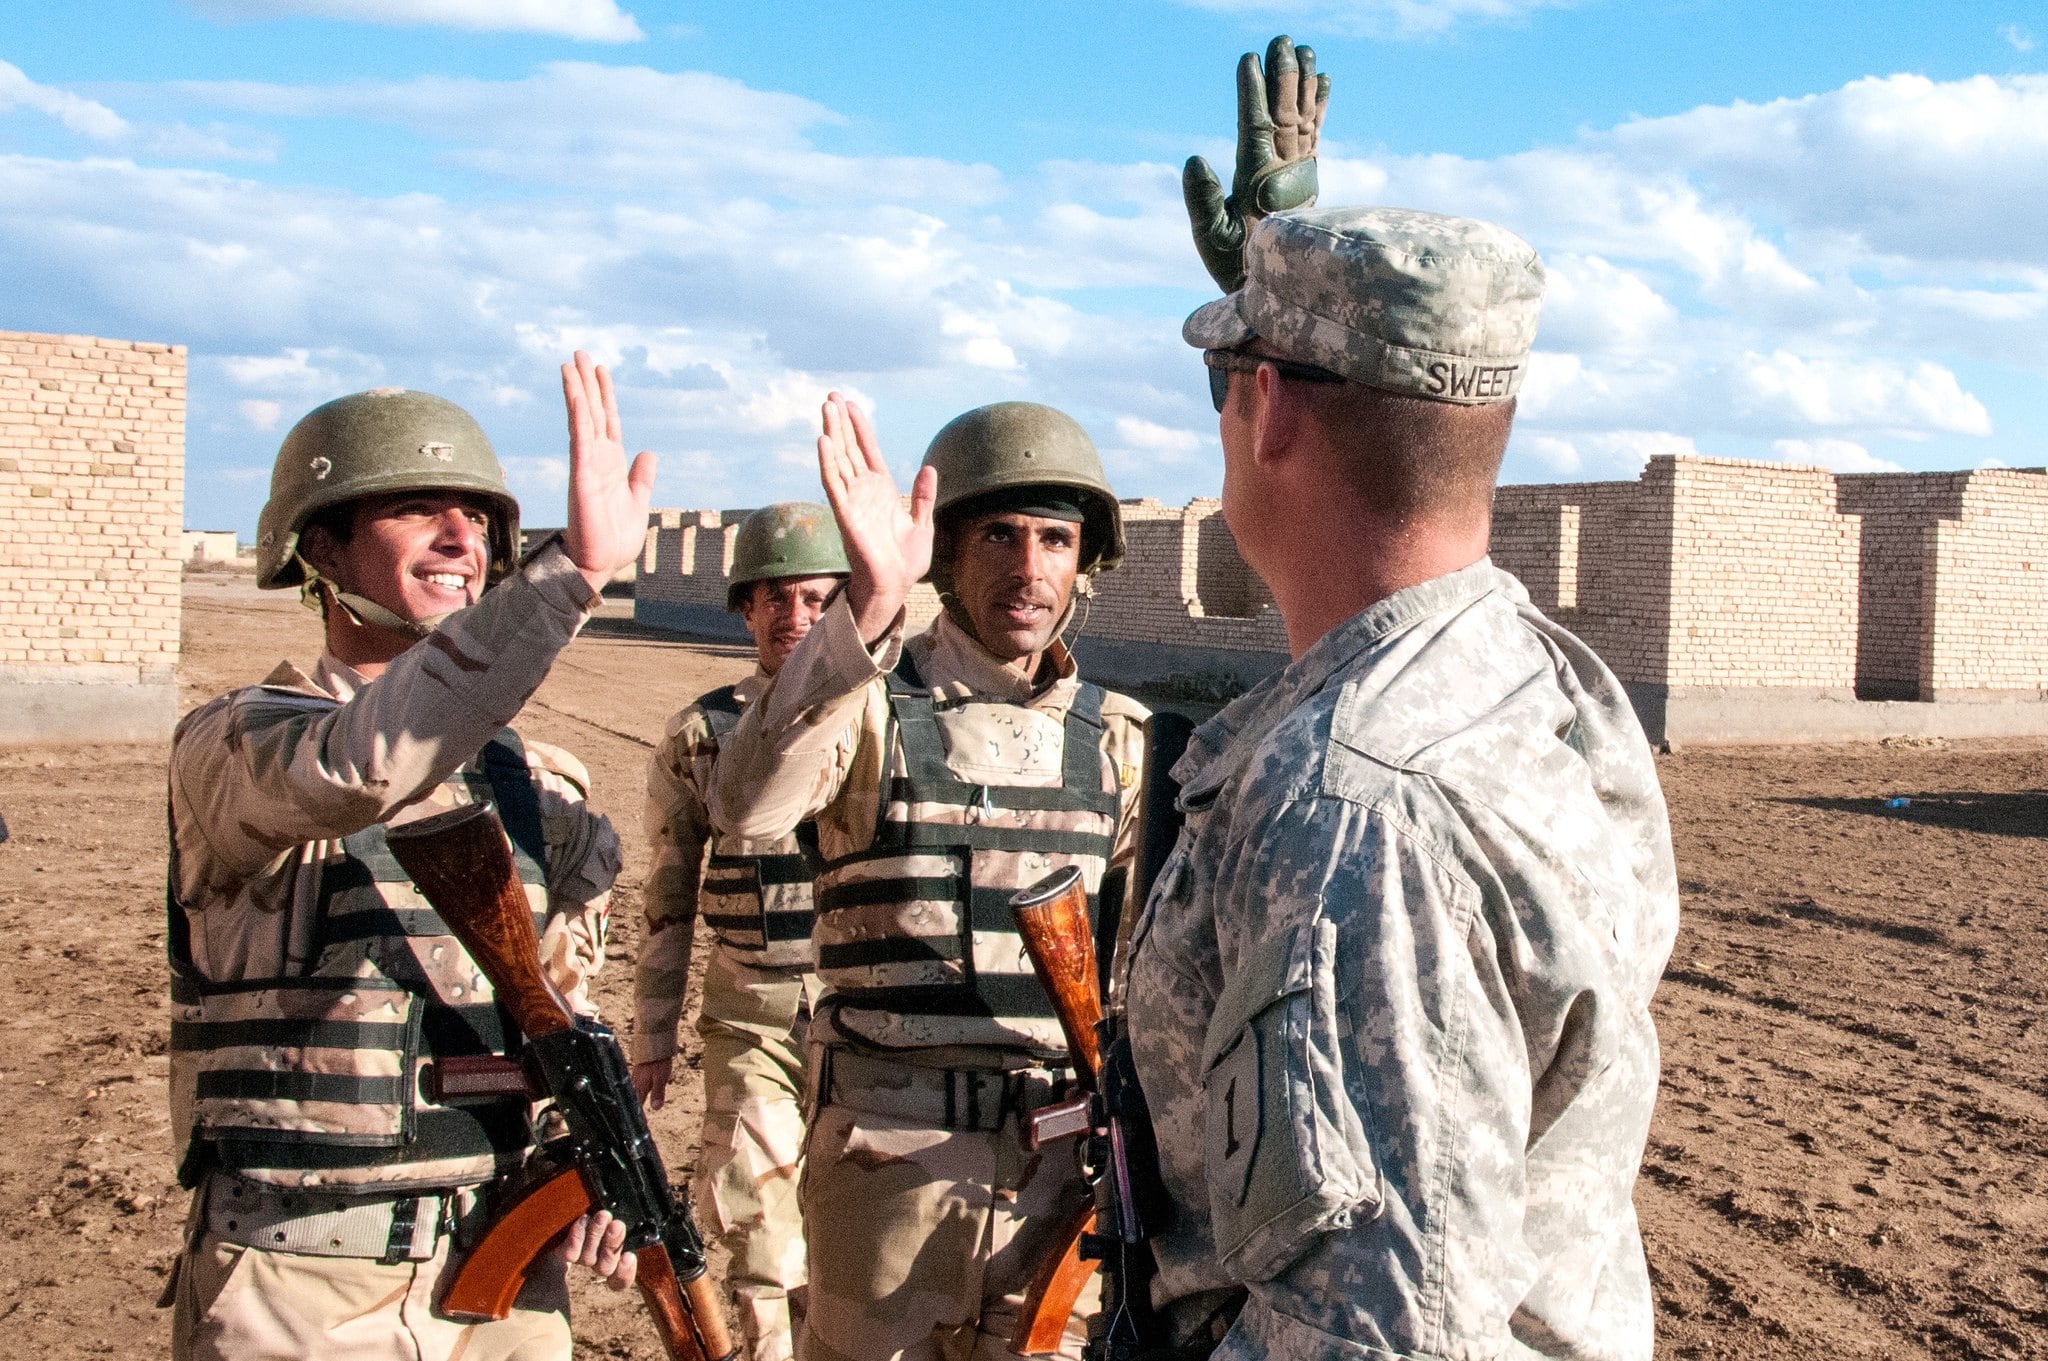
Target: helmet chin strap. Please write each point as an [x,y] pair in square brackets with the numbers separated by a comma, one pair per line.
[366,612]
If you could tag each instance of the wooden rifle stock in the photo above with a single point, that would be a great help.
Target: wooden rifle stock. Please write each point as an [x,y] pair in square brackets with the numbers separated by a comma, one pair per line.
[462,864]
[1052,917]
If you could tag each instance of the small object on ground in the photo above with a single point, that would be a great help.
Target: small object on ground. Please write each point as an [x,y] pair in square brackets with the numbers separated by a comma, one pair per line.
[1898,803]
[3,829]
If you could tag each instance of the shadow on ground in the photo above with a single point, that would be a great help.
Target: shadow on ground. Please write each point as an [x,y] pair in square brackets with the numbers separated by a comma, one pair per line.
[2023,813]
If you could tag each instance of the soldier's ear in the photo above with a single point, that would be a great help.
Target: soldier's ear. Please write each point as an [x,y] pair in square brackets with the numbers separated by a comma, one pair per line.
[319,547]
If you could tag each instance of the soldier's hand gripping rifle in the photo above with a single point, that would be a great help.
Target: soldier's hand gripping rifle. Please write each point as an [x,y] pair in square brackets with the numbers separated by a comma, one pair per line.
[1121,1159]
[607,1161]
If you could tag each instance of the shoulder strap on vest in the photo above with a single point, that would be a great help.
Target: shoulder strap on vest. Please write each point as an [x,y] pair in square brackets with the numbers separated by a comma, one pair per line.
[724,700]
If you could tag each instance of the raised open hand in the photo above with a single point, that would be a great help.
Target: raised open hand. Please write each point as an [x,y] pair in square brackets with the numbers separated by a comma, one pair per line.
[1280,110]
[607,500]
[888,548]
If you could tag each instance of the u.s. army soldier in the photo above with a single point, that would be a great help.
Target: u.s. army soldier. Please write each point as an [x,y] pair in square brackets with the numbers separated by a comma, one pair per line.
[755,896]
[1389,999]
[312,994]
[943,774]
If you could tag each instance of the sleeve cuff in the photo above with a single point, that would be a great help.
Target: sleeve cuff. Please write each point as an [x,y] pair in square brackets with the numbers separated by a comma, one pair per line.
[558,581]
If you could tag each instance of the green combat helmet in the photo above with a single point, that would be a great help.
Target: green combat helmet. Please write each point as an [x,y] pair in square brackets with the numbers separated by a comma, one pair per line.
[368,444]
[1010,445]
[787,539]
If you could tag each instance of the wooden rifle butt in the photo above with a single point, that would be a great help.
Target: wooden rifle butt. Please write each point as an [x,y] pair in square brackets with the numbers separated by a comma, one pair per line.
[1052,917]
[459,860]
[1049,1303]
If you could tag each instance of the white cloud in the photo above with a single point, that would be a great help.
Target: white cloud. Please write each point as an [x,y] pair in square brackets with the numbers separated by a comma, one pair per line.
[579,124]
[1836,455]
[1866,394]
[1381,18]
[2019,39]
[733,269]
[600,21]
[260,413]
[82,116]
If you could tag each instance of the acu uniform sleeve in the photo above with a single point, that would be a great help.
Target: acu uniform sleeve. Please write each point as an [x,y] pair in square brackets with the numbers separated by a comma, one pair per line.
[1367,1099]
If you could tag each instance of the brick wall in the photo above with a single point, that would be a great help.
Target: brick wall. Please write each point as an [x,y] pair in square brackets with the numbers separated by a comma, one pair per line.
[92,486]
[1989,591]
[1704,576]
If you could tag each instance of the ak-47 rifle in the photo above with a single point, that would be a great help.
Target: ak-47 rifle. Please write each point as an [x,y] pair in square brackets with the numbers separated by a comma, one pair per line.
[1121,1159]
[607,1161]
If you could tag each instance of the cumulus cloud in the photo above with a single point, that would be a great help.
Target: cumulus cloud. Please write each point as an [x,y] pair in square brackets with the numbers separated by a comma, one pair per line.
[1381,18]
[86,117]
[1836,455]
[576,124]
[259,413]
[736,268]
[599,21]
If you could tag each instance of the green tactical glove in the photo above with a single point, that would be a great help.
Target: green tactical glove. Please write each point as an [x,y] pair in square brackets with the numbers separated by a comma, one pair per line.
[1279,115]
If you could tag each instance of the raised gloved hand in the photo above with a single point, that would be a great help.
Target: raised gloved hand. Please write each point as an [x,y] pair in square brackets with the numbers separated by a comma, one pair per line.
[1279,116]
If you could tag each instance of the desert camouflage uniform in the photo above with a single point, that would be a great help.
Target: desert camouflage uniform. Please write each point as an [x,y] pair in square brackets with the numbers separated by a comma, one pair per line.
[927,1217]
[755,1010]
[266,783]
[1389,998]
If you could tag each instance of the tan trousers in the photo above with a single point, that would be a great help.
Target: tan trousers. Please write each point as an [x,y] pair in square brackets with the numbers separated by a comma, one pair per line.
[234,1303]
[752,1023]
[924,1240]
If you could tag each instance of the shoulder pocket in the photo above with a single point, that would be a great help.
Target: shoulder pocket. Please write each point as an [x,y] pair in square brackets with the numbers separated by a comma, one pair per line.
[1288,1154]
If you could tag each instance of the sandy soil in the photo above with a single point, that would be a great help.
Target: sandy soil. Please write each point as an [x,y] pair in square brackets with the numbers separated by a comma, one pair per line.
[1848,1158]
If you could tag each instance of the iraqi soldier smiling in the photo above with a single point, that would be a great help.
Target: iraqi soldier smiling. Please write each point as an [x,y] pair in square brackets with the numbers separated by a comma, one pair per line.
[312,995]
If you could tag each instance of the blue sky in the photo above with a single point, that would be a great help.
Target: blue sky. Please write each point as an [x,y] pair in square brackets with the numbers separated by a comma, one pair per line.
[1805,232]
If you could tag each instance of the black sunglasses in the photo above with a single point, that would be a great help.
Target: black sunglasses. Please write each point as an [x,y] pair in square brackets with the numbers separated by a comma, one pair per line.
[1223,363]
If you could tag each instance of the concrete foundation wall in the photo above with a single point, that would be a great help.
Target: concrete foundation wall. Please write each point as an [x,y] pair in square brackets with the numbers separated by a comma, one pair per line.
[92,487]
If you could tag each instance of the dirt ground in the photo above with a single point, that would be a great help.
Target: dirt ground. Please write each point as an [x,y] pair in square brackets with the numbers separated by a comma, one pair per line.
[1848,1157]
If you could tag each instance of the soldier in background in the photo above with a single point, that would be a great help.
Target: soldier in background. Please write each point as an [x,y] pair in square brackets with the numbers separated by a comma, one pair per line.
[943,774]
[1389,1000]
[311,992]
[756,898]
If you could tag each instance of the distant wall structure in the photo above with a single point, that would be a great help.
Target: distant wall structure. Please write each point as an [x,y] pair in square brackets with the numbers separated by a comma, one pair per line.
[92,491]
[1737,601]
[209,545]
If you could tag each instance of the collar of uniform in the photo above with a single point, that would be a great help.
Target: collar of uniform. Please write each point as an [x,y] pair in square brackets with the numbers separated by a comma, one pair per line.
[338,678]
[749,688]
[955,666]
[1227,740]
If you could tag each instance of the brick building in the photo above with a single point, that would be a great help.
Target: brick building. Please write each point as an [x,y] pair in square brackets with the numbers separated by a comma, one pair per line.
[92,493]
[1737,601]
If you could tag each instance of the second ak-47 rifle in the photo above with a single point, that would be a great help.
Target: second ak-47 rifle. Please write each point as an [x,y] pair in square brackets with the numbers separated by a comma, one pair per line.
[1121,1160]
[607,1160]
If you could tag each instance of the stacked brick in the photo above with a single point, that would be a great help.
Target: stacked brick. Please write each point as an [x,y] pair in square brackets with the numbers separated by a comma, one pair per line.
[1704,577]
[1988,582]
[92,447]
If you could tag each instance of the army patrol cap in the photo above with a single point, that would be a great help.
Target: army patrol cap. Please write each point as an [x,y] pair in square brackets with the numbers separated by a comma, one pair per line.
[787,539]
[368,444]
[1030,459]
[1408,302]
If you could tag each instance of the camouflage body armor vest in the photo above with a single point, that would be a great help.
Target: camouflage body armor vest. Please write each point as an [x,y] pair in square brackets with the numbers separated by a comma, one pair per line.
[329,1078]
[758,903]
[916,946]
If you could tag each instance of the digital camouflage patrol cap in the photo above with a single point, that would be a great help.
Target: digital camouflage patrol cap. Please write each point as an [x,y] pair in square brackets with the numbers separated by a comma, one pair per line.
[1408,302]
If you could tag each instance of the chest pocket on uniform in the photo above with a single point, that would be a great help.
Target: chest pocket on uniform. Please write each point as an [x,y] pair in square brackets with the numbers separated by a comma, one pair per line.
[1289,1157]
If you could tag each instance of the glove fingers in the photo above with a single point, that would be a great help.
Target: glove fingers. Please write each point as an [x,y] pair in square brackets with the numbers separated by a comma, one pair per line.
[1283,88]
[1204,197]
[1254,120]
[1313,89]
